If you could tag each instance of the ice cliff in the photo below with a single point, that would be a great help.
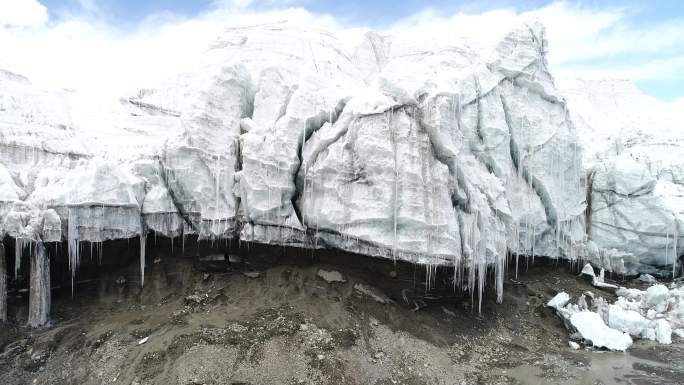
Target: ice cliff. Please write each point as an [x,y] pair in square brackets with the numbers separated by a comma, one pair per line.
[635,172]
[446,157]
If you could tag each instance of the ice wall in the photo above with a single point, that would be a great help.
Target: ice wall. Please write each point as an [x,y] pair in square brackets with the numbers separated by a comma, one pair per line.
[634,145]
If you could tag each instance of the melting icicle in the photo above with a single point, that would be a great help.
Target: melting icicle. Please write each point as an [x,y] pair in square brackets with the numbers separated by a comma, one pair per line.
[143,241]
[667,246]
[674,248]
[73,245]
[39,292]
[396,185]
[3,284]
[21,245]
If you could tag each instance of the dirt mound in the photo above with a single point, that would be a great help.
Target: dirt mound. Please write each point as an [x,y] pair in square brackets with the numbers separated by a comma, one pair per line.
[261,322]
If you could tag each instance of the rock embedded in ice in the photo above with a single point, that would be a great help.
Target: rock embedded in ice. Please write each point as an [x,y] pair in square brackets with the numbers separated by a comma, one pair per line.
[647,279]
[592,329]
[598,281]
[588,270]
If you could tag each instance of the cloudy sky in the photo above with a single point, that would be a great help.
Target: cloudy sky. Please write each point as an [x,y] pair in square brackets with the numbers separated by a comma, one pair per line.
[111,44]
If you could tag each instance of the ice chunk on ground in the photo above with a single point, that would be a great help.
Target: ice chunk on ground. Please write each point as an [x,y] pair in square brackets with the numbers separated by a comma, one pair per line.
[656,298]
[559,301]
[628,321]
[598,281]
[593,330]
[663,331]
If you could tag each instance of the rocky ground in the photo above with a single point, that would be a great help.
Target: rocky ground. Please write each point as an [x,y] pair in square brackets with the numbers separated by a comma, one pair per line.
[284,322]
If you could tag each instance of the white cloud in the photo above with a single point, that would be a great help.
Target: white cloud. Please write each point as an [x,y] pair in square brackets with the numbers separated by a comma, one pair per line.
[583,41]
[22,13]
[84,51]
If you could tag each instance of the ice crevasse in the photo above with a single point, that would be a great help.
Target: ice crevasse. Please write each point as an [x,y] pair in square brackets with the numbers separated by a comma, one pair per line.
[438,157]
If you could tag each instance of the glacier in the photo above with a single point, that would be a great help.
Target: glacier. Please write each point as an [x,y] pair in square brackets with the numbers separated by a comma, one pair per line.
[449,157]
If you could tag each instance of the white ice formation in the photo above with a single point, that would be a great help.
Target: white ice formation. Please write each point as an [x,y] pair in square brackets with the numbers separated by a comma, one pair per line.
[654,314]
[439,157]
[633,146]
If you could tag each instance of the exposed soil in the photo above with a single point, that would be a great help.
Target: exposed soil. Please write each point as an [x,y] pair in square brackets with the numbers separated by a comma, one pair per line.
[283,324]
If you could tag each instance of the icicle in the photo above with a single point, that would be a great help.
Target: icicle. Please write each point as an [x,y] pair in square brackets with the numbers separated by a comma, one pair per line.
[396,186]
[143,241]
[39,291]
[499,274]
[3,284]
[183,240]
[73,245]
[674,248]
[19,246]
[667,246]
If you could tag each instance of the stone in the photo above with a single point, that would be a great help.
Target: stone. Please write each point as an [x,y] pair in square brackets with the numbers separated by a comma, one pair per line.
[331,276]
[372,293]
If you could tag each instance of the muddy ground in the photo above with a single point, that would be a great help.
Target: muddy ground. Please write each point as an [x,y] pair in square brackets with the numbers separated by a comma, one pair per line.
[275,321]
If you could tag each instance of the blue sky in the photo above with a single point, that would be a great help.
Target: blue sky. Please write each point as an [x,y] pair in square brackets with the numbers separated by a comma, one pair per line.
[640,40]
[366,12]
